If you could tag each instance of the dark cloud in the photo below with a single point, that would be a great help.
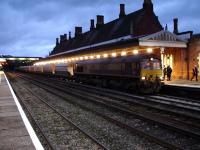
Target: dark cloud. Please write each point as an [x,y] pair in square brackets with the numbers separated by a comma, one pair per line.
[29,27]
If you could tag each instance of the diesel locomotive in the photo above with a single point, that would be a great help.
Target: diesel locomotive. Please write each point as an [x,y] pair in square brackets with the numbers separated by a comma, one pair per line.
[139,73]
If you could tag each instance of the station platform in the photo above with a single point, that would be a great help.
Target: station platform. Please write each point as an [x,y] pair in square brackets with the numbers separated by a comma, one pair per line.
[182,88]
[16,132]
[183,83]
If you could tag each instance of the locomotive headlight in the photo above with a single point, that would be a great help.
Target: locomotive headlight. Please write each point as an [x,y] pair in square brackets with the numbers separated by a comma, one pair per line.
[143,78]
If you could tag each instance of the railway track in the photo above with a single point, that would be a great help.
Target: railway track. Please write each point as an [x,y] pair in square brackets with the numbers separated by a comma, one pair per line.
[117,107]
[169,104]
[46,142]
[189,110]
[75,136]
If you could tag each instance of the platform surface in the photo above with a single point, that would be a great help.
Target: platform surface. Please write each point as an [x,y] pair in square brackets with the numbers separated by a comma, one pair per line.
[13,132]
[184,83]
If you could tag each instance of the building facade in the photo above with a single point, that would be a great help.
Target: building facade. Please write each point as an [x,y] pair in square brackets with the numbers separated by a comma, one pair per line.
[131,34]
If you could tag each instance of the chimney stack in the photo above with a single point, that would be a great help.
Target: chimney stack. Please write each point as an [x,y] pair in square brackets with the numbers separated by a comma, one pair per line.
[100,21]
[92,24]
[70,37]
[65,37]
[61,38]
[148,5]
[57,41]
[166,27]
[175,26]
[78,31]
[122,11]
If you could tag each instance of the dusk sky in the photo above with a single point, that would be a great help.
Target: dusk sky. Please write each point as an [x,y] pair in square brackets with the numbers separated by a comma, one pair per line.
[30,27]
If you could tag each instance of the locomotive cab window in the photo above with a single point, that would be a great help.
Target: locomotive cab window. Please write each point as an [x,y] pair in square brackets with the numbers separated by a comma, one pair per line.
[151,64]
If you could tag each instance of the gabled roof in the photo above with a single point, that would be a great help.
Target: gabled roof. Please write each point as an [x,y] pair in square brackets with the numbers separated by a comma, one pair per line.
[163,38]
[163,35]
[121,27]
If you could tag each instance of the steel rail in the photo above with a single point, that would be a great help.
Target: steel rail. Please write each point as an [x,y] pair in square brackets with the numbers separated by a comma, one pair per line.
[170,108]
[89,89]
[68,120]
[147,116]
[147,98]
[122,125]
[33,120]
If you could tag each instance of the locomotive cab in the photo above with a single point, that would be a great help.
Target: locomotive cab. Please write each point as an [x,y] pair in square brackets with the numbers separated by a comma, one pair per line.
[150,75]
[150,69]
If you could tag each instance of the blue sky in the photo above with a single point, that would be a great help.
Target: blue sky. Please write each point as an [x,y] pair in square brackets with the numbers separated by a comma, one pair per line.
[30,27]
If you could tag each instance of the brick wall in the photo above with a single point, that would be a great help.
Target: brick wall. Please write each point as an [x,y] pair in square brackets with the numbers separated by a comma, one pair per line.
[194,52]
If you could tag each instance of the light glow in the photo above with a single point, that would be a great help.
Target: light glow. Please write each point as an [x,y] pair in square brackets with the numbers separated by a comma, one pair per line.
[149,50]
[105,55]
[81,58]
[114,54]
[123,53]
[98,56]
[86,57]
[135,52]
[91,57]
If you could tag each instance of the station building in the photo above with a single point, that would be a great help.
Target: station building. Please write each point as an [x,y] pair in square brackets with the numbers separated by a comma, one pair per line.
[130,34]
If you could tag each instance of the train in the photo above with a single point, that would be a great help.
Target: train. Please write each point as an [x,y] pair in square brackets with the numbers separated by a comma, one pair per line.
[139,73]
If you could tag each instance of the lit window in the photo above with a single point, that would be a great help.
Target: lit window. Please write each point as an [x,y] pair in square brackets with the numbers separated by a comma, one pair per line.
[81,58]
[77,58]
[86,57]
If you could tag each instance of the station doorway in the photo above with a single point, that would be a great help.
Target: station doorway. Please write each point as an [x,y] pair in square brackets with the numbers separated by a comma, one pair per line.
[168,60]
